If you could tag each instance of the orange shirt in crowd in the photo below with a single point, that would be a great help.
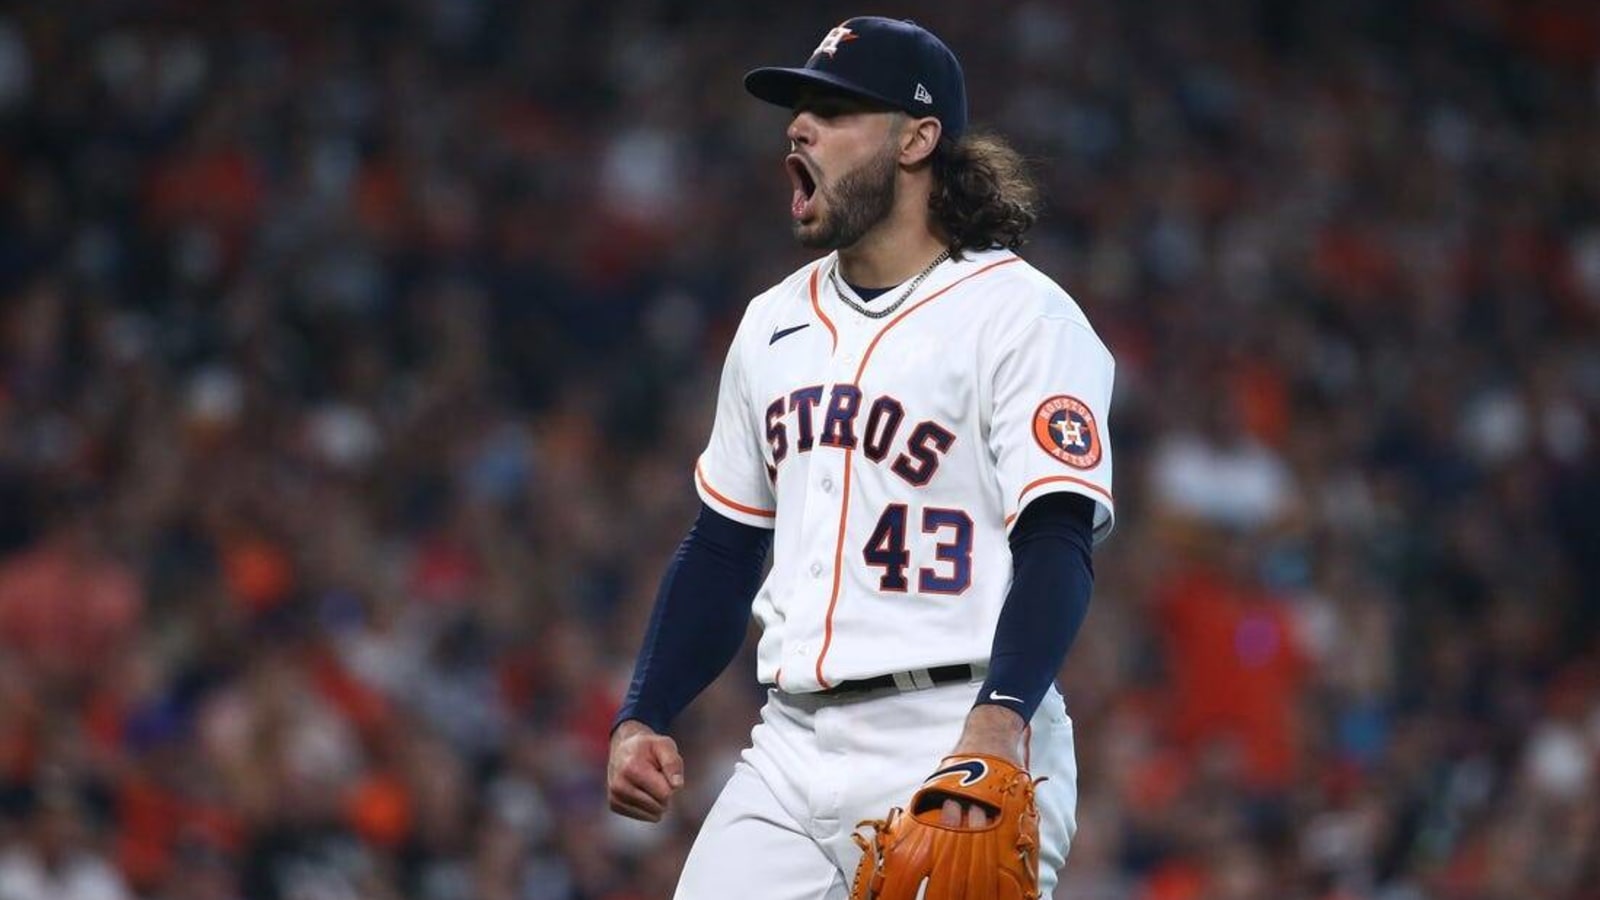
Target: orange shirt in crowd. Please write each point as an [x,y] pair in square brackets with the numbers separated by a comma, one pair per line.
[1236,672]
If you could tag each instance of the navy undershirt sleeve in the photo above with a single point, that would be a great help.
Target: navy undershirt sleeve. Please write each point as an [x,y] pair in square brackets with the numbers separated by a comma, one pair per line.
[1052,577]
[701,613]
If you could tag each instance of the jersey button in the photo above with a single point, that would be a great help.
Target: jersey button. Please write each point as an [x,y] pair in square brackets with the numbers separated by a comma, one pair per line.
[816,570]
[827,485]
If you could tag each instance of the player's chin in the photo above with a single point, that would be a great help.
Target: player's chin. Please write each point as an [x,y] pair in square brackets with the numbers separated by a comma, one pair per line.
[811,230]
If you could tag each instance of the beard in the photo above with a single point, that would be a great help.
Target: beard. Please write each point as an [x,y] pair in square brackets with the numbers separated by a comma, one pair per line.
[854,205]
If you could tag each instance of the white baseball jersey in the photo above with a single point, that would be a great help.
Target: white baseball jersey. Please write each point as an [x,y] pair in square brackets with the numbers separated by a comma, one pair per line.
[892,456]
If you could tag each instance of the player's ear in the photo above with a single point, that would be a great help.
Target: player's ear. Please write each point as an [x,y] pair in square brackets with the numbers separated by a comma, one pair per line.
[918,137]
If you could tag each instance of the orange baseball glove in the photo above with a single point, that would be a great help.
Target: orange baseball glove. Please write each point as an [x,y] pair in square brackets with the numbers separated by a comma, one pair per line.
[911,855]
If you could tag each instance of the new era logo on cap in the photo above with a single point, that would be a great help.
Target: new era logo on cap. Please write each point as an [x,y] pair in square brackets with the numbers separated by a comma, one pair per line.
[922,95]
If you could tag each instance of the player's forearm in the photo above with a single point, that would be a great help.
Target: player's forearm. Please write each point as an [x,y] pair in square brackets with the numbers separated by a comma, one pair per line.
[702,609]
[1052,580]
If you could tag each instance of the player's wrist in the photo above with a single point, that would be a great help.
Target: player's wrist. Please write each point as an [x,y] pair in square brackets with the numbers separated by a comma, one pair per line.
[997,718]
[993,730]
[628,728]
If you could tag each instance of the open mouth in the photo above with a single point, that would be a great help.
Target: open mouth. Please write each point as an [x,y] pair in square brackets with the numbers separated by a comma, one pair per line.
[805,184]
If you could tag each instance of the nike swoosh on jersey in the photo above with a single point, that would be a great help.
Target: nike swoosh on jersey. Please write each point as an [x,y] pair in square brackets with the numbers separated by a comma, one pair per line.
[1004,698]
[783,333]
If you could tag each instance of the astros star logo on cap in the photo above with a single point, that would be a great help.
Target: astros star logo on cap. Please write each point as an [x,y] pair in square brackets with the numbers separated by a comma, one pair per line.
[830,43]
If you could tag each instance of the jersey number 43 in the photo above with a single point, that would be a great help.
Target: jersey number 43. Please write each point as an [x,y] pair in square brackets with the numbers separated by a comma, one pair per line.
[886,549]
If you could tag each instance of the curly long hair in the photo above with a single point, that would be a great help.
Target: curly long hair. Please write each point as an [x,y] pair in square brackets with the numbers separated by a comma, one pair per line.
[983,196]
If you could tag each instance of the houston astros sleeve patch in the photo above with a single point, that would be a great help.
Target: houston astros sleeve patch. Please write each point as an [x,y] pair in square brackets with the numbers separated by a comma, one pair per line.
[1065,429]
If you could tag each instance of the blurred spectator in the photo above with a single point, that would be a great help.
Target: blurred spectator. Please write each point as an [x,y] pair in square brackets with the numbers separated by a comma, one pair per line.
[55,858]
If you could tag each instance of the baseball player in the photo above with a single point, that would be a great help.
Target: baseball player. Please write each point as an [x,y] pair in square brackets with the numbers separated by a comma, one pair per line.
[916,425]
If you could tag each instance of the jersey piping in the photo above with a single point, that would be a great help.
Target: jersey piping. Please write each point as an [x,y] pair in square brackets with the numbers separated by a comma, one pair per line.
[817,307]
[1053,479]
[751,510]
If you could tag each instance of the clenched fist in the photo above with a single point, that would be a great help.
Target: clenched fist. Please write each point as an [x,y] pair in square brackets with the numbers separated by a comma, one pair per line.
[643,773]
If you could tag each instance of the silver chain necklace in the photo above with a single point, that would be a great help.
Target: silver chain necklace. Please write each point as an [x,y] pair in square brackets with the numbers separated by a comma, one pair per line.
[839,289]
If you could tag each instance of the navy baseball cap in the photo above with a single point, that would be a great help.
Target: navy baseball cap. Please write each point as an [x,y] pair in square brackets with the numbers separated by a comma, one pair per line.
[897,63]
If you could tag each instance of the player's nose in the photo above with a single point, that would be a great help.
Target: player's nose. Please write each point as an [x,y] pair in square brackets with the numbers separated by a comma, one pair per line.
[802,129]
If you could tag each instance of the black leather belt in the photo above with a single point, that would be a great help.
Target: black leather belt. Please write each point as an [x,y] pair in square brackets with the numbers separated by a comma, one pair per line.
[916,680]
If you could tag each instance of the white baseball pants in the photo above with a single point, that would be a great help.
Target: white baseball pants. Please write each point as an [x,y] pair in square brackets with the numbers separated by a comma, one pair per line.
[780,829]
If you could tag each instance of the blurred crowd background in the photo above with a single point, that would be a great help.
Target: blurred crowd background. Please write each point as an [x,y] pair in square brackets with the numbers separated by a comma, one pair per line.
[354,356]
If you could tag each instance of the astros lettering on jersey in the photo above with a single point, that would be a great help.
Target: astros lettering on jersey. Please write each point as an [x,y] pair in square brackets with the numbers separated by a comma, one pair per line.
[903,449]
